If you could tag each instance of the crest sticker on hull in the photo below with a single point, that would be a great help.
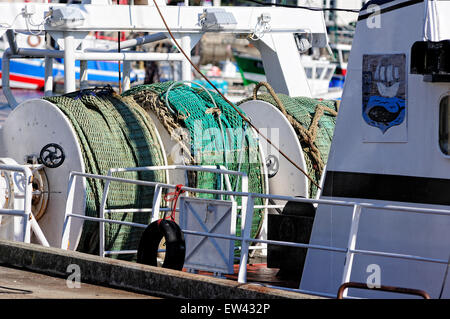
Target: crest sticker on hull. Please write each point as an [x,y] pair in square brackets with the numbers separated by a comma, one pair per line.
[384,90]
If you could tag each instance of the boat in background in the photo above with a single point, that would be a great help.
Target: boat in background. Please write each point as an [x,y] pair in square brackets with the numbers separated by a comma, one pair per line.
[29,73]
[341,52]
[322,80]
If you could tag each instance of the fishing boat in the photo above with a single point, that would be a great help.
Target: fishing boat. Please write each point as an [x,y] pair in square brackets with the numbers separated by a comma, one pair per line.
[322,79]
[342,199]
[29,73]
[341,53]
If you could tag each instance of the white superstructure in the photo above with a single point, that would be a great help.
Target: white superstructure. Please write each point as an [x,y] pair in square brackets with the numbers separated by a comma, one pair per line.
[389,148]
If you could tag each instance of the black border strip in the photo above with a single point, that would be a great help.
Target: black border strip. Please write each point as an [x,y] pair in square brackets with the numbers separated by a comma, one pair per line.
[398,188]
[391,8]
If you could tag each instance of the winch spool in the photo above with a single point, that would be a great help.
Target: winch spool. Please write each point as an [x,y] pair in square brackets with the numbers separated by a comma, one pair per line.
[93,127]
[306,128]
[40,197]
[179,108]
[28,128]
[284,178]
[12,185]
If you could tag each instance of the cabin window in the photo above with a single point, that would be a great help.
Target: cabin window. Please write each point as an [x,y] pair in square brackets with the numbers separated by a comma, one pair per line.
[444,125]
[319,72]
[345,56]
[308,72]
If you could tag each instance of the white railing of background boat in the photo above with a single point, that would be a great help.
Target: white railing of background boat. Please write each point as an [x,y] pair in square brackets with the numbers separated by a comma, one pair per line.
[29,221]
[126,57]
[247,215]
[156,199]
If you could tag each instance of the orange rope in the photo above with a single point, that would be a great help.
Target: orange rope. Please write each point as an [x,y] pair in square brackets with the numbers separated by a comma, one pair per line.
[174,198]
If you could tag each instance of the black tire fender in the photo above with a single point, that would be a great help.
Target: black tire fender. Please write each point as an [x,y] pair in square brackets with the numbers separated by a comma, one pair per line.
[175,244]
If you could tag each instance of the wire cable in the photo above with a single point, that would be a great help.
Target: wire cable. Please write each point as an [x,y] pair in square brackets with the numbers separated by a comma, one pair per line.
[228,101]
[270,4]
[4,25]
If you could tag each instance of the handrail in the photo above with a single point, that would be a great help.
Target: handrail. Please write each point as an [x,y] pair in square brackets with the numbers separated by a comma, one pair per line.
[431,211]
[247,215]
[156,200]
[29,221]
[399,290]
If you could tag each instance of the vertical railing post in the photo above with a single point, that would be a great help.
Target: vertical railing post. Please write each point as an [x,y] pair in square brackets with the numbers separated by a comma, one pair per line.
[26,232]
[69,207]
[351,245]
[102,216]
[69,63]
[186,72]
[246,227]
[48,76]
[244,184]
[84,84]
[156,203]
[5,79]
[126,81]
[244,199]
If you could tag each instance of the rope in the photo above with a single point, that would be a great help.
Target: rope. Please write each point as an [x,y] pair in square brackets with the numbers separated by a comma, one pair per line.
[151,101]
[216,133]
[315,132]
[228,101]
[113,131]
[173,197]
[181,83]
[308,136]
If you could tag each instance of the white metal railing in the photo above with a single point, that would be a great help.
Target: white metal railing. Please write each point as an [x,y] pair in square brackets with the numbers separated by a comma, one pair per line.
[247,216]
[155,210]
[28,220]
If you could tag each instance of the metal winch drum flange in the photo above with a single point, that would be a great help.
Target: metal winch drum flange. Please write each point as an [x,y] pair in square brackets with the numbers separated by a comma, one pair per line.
[41,192]
[6,187]
[12,191]
[284,178]
[28,129]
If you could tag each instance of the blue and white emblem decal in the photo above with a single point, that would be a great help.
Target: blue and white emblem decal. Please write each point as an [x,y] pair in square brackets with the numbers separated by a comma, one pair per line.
[384,90]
